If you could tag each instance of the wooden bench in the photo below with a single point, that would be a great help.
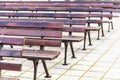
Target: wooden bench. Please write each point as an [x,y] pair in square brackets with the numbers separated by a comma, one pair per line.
[62,4]
[68,39]
[35,34]
[66,19]
[68,22]
[56,6]
[9,66]
[55,9]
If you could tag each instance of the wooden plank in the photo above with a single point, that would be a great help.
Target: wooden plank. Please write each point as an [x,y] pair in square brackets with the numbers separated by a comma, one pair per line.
[40,54]
[10,53]
[10,66]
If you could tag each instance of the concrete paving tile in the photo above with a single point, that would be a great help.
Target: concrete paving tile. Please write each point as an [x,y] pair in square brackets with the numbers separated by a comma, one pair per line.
[74,73]
[92,57]
[84,62]
[27,63]
[80,67]
[25,79]
[57,71]
[27,75]
[26,68]
[67,77]
[89,78]
[107,59]
[60,66]
[113,76]
[114,71]
[116,65]
[94,74]
[109,79]
[53,77]
[40,69]
[103,64]
[99,69]
[12,73]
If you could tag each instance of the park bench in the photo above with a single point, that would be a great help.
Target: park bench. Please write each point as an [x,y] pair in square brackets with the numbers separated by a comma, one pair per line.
[63,6]
[68,22]
[21,33]
[18,9]
[9,66]
[70,38]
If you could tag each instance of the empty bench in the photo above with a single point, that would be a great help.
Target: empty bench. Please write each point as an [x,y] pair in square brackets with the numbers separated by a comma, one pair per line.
[76,4]
[66,39]
[66,19]
[57,9]
[33,33]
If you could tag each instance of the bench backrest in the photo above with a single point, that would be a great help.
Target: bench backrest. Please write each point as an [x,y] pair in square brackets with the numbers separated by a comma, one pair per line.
[66,9]
[69,16]
[57,4]
[54,4]
[38,30]
[103,4]
[47,15]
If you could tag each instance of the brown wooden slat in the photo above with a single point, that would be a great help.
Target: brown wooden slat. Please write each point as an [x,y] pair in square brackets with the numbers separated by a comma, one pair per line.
[74,9]
[34,54]
[32,33]
[56,15]
[10,53]
[39,42]
[72,38]
[40,54]
[69,38]
[10,66]
[65,21]
[94,21]
[100,15]
[75,29]
[9,40]
[60,4]
[34,24]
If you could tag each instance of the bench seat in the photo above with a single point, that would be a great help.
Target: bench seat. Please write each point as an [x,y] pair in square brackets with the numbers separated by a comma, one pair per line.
[69,38]
[35,54]
[93,28]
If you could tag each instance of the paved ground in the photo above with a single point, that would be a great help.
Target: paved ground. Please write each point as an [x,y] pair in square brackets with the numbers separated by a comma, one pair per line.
[101,61]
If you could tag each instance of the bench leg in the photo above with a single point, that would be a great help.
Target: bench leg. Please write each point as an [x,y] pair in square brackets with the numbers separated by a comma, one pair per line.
[89,38]
[46,70]
[84,47]
[1,58]
[0,72]
[109,26]
[72,50]
[1,46]
[35,62]
[102,29]
[65,57]
[11,46]
[98,35]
